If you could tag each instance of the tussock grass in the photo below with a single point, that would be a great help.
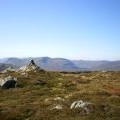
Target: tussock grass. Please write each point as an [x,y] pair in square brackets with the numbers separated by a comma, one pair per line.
[31,101]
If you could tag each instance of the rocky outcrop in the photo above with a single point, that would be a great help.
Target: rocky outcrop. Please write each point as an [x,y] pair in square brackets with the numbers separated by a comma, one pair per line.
[9,69]
[8,82]
[30,67]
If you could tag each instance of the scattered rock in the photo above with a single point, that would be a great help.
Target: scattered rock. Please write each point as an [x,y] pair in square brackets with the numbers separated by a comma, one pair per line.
[68,96]
[58,107]
[59,99]
[40,82]
[47,99]
[81,104]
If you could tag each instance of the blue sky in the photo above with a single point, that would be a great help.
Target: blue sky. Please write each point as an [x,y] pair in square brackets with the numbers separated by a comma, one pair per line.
[73,29]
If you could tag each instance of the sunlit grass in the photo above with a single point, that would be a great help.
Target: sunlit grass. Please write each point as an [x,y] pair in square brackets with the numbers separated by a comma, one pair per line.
[33,101]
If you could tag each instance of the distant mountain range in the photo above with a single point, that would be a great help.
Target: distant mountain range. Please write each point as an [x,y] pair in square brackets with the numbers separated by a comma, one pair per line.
[61,64]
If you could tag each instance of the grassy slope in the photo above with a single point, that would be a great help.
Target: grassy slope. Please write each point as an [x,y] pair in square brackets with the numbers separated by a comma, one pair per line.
[34,102]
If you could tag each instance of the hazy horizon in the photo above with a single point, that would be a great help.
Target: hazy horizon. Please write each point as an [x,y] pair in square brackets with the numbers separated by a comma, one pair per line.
[58,57]
[71,29]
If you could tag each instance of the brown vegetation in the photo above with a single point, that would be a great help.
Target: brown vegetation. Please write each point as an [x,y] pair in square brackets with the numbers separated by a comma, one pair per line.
[31,101]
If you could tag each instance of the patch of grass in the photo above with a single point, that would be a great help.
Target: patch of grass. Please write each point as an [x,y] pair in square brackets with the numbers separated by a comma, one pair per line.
[28,100]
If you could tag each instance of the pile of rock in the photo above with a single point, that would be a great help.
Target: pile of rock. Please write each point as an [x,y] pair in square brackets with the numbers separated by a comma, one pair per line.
[30,67]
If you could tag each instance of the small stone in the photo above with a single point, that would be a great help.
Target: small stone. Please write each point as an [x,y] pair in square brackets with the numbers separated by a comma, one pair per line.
[40,82]
[58,107]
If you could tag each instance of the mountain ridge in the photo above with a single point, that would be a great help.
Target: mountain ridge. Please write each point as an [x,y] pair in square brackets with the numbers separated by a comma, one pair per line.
[63,64]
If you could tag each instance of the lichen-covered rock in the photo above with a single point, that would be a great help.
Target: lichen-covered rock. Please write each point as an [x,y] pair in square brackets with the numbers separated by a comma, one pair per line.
[81,104]
[57,107]
[8,82]
[30,67]
[9,69]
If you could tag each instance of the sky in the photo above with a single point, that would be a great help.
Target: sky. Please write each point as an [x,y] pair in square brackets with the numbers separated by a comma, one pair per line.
[73,29]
